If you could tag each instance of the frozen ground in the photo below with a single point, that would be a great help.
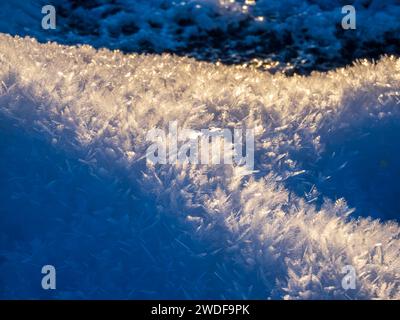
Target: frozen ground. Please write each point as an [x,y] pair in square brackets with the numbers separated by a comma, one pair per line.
[266,34]
[77,192]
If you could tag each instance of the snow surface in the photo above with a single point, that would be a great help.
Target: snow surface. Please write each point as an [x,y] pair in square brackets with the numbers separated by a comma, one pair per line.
[77,192]
[264,33]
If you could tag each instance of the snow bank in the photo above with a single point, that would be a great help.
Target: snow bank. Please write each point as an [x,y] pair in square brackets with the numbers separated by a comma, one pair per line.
[305,33]
[77,191]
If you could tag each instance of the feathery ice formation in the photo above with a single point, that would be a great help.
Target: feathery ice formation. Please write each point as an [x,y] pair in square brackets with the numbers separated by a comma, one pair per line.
[77,192]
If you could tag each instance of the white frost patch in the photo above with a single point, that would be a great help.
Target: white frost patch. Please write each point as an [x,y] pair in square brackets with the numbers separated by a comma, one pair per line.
[100,105]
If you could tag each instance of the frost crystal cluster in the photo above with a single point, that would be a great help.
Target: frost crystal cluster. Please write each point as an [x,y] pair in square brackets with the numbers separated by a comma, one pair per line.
[78,193]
